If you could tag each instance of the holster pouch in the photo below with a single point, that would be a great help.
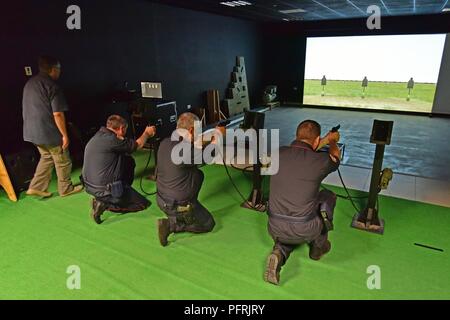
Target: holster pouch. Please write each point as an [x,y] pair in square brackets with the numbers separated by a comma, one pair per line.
[116,189]
[327,224]
[186,213]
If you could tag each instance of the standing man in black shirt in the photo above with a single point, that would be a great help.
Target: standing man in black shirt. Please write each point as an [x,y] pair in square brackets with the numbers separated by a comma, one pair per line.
[108,170]
[44,125]
[298,211]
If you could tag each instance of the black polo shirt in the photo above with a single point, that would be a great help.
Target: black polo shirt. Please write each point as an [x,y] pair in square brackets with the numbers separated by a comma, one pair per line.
[178,182]
[103,157]
[295,188]
[41,98]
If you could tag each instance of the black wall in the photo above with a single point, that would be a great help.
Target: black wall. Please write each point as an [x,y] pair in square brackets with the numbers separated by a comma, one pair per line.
[133,40]
[286,44]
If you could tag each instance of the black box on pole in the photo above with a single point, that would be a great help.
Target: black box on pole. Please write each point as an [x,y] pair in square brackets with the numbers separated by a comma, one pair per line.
[381,132]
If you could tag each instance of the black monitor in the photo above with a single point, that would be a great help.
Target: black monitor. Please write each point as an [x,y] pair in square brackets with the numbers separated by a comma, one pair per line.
[381,132]
[162,114]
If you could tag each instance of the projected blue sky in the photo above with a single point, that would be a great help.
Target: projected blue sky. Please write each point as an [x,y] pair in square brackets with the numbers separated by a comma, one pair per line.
[380,58]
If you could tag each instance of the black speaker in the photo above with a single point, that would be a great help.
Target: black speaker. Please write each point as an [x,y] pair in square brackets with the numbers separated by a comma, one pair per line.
[21,167]
[160,113]
[77,144]
[253,120]
[381,132]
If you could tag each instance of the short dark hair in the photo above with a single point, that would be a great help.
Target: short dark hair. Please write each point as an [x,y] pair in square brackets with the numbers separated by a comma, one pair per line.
[116,122]
[308,130]
[46,63]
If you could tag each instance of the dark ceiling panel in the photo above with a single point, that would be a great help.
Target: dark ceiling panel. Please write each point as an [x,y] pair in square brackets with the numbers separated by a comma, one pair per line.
[269,10]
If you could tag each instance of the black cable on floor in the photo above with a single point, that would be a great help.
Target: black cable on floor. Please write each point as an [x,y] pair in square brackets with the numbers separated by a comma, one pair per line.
[235,187]
[345,197]
[348,193]
[142,177]
[348,197]
[244,170]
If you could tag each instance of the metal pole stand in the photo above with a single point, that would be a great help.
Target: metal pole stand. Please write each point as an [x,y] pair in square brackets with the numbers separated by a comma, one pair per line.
[154,148]
[256,199]
[368,218]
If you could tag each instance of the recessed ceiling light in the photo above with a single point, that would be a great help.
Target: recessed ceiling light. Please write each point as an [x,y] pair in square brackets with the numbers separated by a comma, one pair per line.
[446,10]
[292,11]
[235,3]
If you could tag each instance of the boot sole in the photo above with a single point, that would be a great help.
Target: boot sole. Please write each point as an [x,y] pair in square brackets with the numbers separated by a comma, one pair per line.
[93,214]
[159,224]
[75,191]
[315,258]
[39,194]
[270,275]
[95,220]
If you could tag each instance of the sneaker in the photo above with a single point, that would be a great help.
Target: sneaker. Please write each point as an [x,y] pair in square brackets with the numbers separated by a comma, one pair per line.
[273,267]
[43,194]
[98,208]
[317,253]
[76,189]
[163,231]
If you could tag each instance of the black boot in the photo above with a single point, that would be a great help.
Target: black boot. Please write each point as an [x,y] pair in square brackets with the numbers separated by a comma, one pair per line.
[98,208]
[163,231]
[316,253]
[274,262]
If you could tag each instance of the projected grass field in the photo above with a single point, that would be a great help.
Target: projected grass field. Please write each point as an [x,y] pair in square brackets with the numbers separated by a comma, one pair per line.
[378,95]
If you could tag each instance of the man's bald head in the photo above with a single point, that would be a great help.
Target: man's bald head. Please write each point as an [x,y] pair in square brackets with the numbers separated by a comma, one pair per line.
[308,130]
[186,121]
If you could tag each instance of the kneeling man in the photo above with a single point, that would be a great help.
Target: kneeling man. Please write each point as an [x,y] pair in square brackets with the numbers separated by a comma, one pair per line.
[178,185]
[108,169]
[298,211]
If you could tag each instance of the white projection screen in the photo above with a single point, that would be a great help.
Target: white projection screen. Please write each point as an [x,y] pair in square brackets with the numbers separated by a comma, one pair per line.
[392,72]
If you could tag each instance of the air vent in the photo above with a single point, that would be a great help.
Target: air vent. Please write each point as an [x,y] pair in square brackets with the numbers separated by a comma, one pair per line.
[235,3]
[292,11]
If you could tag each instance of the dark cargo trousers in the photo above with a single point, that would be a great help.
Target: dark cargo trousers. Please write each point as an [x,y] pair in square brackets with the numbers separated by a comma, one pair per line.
[286,243]
[131,200]
[200,221]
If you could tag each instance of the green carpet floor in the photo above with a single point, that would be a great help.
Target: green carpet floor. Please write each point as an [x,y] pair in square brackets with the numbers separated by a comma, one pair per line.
[122,258]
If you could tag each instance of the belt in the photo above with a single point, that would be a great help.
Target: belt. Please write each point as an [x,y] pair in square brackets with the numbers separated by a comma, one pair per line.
[172,203]
[301,219]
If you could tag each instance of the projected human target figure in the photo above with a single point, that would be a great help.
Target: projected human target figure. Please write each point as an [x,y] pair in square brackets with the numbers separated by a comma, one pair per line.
[410,86]
[324,83]
[365,83]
